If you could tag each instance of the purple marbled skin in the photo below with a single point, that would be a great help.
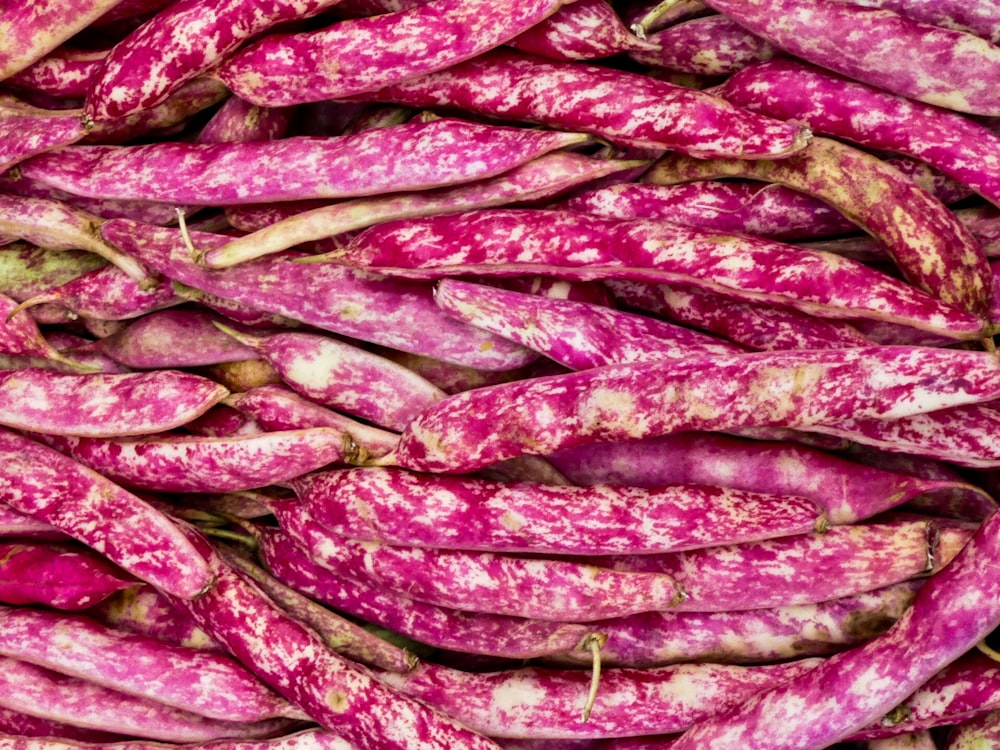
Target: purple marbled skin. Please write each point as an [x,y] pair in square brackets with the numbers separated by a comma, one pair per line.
[402,508]
[60,576]
[23,731]
[455,630]
[398,314]
[933,249]
[474,429]
[712,46]
[78,646]
[143,610]
[223,421]
[338,694]
[21,337]
[803,569]
[948,68]
[127,530]
[847,490]
[580,30]
[40,692]
[573,246]
[188,463]
[177,44]
[412,156]
[27,131]
[535,180]
[628,109]
[22,526]
[577,335]
[276,407]
[755,325]
[652,639]
[979,17]
[978,733]
[954,610]
[954,144]
[104,404]
[533,588]
[239,120]
[535,702]
[32,30]
[342,376]
[307,739]
[65,72]
[364,54]
[174,339]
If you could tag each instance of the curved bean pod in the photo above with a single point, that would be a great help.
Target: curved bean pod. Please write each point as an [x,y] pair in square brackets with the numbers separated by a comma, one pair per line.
[581,30]
[711,45]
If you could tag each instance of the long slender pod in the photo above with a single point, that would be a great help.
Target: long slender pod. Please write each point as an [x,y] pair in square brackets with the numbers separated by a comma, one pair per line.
[306,739]
[146,611]
[176,45]
[711,45]
[953,611]
[932,248]
[627,402]
[980,17]
[581,30]
[400,315]
[338,694]
[628,109]
[65,72]
[944,67]
[956,145]
[411,156]
[364,54]
[124,528]
[27,131]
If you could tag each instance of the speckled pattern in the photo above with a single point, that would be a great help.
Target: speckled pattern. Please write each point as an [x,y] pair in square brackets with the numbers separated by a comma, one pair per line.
[580,30]
[107,293]
[474,429]
[411,156]
[177,44]
[953,611]
[932,248]
[65,72]
[547,703]
[26,131]
[953,143]
[948,68]
[572,246]
[308,739]
[239,120]
[980,17]
[624,108]
[398,314]
[711,46]
[361,55]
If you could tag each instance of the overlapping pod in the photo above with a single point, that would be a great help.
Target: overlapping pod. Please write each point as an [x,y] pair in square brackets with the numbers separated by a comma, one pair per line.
[26,131]
[627,109]
[581,30]
[476,428]
[944,67]
[932,248]
[711,45]
[956,145]
[364,54]
[65,72]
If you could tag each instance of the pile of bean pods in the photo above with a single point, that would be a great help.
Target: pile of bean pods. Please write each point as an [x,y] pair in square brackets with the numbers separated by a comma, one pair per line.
[528,374]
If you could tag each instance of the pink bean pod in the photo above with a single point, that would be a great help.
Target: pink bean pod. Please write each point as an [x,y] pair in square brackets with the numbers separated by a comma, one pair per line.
[711,46]
[452,378]
[979,732]
[22,526]
[537,179]
[62,576]
[508,242]
[174,338]
[306,739]
[396,507]
[143,610]
[534,702]
[130,532]
[542,589]
[853,111]
[338,694]
[400,315]
[755,325]
[26,131]
[474,429]
[628,109]
[364,54]
[65,72]
[757,636]
[343,376]
[40,692]
[947,68]
[239,120]
[27,270]
[411,156]
[803,569]
[930,246]
[645,16]
[22,729]
[581,30]
[954,610]
[21,337]
[104,404]
[189,463]
[234,310]
[179,43]
[847,490]
[441,627]
[577,335]
[979,17]
[42,27]
[275,407]
[80,647]
[223,421]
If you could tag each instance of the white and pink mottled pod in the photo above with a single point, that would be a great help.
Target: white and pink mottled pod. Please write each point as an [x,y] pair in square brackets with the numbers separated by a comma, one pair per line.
[711,45]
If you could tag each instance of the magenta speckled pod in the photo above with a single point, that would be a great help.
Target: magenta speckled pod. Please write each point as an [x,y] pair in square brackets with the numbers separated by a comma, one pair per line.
[65,72]
[580,30]
[26,131]
[711,46]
